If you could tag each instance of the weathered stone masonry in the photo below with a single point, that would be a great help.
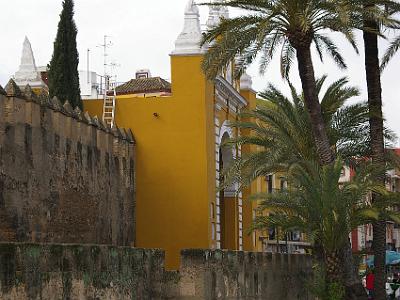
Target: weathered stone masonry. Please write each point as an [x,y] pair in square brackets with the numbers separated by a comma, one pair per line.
[47,272]
[64,176]
[219,274]
[70,272]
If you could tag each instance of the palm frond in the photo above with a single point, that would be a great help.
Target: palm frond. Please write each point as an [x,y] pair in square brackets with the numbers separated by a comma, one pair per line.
[390,52]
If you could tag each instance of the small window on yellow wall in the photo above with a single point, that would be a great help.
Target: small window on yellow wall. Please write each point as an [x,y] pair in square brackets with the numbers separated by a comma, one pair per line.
[212,211]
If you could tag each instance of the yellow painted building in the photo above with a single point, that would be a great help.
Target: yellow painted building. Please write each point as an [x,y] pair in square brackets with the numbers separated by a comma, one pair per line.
[179,155]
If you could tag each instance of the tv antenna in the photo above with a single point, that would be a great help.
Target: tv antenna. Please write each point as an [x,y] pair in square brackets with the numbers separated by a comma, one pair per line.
[109,94]
[106,44]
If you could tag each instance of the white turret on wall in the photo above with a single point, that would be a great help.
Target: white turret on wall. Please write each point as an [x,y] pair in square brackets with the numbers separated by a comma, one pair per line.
[28,72]
[188,42]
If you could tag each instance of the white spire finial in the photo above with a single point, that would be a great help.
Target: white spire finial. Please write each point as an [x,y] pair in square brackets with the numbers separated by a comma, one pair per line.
[246,83]
[224,12]
[216,13]
[27,72]
[188,42]
[213,17]
[191,8]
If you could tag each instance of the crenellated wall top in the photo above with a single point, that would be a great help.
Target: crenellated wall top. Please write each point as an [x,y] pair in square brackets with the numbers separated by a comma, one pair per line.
[12,90]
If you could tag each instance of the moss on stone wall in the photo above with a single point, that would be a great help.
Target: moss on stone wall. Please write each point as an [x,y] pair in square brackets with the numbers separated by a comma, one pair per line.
[108,270]
[40,271]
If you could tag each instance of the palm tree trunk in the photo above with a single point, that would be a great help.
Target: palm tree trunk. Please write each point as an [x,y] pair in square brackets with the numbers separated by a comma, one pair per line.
[326,156]
[307,76]
[377,147]
[353,288]
[332,264]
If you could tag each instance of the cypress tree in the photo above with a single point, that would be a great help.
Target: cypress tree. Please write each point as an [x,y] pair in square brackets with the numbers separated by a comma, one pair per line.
[63,68]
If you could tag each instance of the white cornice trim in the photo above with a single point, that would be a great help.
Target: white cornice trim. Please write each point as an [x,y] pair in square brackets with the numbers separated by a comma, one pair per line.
[227,91]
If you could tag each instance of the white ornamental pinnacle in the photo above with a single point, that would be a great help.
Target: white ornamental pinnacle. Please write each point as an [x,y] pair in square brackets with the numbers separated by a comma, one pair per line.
[188,42]
[27,72]
[246,83]
[216,14]
[213,16]
[224,12]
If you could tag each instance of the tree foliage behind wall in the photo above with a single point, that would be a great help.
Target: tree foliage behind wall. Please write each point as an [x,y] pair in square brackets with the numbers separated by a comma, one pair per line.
[63,68]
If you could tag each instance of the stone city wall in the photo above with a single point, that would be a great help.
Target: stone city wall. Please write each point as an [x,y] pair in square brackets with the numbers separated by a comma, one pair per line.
[38,271]
[48,272]
[219,274]
[64,177]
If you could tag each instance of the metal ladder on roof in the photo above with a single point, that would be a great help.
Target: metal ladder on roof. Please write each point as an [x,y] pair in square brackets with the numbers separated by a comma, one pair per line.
[109,102]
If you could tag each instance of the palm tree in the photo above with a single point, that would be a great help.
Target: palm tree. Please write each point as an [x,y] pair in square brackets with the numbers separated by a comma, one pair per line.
[371,16]
[292,25]
[372,69]
[281,130]
[325,209]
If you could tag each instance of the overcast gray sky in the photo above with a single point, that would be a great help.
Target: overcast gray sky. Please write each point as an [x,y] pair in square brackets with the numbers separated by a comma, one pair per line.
[143,35]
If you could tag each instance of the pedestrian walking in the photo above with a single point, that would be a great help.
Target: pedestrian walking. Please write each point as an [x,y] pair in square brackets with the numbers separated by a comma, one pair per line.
[370,279]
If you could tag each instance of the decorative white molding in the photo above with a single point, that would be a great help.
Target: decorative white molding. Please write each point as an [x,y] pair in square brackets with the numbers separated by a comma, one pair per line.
[218,107]
[227,92]
[188,42]
[232,192]
[225,128]
[27,72]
